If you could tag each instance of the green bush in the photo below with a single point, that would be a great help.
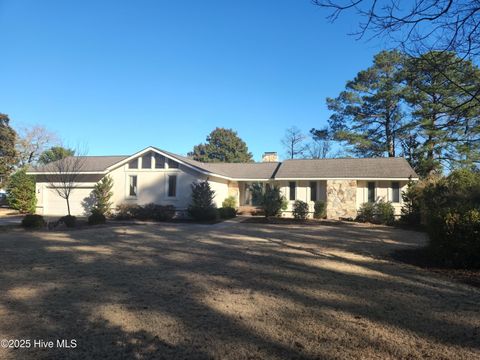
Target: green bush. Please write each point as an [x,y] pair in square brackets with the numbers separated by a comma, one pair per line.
[230,202]
[103,193]
[146,212]
[300,210]
[273,202]
[21,192]
[126,211]
[411,214]
[96,218]
[227,212]
[366,213]
[384,213]
[320,210]
[202,207]
[33,221]
[69,221]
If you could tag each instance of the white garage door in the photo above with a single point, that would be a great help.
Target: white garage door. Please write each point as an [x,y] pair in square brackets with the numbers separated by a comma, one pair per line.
[80,202]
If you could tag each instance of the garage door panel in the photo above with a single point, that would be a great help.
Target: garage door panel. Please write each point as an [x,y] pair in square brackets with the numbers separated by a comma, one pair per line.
[81,201]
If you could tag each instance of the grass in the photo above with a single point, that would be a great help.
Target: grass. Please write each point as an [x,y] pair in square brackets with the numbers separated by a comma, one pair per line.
[231,291]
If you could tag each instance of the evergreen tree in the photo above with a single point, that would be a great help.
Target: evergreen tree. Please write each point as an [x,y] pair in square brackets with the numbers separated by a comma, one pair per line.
[7,149]
[21,192]
[202,206]
[445,128]
[223,145]
[54,153]
[103,194]
[368,115]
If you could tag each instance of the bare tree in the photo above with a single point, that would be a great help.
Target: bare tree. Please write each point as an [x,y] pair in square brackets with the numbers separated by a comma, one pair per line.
[64,175]
[294,142]
[32,142]
[320,146]
[419,27]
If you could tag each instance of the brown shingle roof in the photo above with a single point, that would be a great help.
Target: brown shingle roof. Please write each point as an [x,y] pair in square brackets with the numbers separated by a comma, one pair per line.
[90,163]
[370,168]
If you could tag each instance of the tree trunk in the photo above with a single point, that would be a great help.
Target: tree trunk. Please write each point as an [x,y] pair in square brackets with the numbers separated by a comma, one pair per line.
[68,205]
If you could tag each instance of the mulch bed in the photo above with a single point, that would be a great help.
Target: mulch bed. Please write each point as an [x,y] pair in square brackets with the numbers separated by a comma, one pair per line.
[421,258]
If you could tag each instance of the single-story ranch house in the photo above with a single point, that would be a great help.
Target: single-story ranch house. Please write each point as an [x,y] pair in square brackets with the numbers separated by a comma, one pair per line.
[157,176]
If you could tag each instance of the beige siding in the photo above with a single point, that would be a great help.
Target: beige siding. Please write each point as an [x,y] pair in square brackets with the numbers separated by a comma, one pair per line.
[383,191]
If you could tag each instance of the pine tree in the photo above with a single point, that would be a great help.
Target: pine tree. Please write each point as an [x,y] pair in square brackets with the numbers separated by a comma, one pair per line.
[103,194]
[21,192]
[7,149]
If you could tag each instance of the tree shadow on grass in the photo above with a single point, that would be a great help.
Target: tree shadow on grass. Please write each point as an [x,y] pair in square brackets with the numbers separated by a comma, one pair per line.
[181,291]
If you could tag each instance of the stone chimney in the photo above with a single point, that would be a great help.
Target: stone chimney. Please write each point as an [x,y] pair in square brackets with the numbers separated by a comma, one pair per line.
[270,156]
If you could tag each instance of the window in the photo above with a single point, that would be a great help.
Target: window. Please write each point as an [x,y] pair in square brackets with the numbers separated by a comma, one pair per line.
[172,164]
[371,192]
[313,191]
[159,161]
[133,164]
[395,191]
[147,161]
[133,185]
[293,187]
[172,185]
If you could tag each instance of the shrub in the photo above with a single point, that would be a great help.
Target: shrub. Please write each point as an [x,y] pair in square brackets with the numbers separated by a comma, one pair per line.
[227,212]
[102,192]
[96,218]
[230,202]
[21,192]
[300,210]
[126,211]
[273,202]
[32,221]
[384,213]
[366,213]
[202,206]
[69,221]
[411,207]
[319,210]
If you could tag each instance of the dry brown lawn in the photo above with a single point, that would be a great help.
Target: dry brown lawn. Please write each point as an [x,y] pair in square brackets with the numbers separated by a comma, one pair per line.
[230,291]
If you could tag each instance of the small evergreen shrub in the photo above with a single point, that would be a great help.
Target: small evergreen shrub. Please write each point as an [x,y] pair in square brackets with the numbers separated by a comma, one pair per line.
[230,202]
[21,192]
[320,210]
[202,207]
[103,193]
[126,211]
[300,210]
[70,221]
[32,221]
[96,218]
[273,202]
[227,212]
[366,213]
[384,213]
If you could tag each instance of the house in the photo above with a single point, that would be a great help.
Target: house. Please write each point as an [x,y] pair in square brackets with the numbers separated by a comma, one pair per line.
[158,176]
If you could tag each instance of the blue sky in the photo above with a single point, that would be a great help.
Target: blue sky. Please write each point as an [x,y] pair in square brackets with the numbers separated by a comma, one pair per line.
[118,76]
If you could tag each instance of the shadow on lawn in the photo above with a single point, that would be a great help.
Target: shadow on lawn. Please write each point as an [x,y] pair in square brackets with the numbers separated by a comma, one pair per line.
[164,291]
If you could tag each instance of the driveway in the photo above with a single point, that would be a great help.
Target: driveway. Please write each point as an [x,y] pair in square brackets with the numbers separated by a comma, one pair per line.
[9,217]
[241,291]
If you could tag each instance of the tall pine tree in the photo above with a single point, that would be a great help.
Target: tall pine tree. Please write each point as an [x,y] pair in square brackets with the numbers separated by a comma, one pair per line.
[367,115]
[7,149]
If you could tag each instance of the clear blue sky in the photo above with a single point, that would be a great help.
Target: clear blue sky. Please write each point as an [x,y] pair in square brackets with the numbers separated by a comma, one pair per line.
[122,75]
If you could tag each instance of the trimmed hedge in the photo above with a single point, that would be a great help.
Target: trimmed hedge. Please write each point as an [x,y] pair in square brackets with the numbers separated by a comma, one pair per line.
[319,210]
[96,218]
[378,213]
[70,221]
[300,210]
[150,211]
[227,212]
[32,221]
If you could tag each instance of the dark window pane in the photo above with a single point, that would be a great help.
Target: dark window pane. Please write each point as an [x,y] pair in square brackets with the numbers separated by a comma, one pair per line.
[371,192]
[172,164]
[147,161]
[172,185]
[292,186]
[133,164]
[133,185]
[159,161]
[313,191]
[395,191]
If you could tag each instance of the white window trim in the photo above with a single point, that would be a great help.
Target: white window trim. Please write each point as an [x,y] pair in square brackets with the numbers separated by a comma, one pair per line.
[167,177]
[127,187]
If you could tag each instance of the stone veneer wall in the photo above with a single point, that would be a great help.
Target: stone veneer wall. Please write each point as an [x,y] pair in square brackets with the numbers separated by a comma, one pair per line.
[341,199]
